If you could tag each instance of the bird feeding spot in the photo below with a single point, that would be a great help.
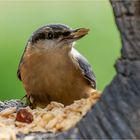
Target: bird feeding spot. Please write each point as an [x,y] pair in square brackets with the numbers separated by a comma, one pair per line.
[54,118]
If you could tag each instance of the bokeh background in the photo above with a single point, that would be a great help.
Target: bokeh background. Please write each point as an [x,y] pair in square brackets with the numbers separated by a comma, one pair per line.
[18,19]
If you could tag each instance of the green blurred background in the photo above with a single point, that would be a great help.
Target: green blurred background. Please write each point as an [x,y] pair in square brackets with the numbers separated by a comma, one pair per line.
[18,19]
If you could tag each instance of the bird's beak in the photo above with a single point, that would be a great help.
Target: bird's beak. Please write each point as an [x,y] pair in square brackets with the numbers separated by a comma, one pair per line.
[79,33]
[76,34]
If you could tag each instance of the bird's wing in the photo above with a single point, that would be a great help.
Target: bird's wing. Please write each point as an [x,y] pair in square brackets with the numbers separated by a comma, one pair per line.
[19,66]
[85,67]
[18,73]
[20,63]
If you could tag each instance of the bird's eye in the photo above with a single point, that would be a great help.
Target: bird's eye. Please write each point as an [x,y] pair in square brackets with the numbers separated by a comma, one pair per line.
[50,35]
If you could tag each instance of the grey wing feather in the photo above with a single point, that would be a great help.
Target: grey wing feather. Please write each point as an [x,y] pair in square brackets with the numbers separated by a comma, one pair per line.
[18,71]
[86,68]
[20,62]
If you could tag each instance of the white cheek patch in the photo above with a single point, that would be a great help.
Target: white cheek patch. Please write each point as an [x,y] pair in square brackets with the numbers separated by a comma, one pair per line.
[49,44]
[53,44]
[75,53]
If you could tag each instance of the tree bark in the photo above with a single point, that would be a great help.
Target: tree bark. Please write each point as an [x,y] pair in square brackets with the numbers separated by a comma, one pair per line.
[117,114]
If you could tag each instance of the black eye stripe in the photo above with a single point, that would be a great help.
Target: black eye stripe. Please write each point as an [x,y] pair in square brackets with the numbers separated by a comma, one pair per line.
[39,36]
[58,34]
[66,33]
[50,35]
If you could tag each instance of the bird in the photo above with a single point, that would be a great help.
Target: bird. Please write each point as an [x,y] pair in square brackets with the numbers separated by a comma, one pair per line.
[51,69]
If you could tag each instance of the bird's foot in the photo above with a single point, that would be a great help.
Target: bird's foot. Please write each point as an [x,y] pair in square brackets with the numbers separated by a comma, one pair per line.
[30,101]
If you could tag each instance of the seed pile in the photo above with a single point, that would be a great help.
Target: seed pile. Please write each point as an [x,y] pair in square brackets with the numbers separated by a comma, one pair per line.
[54,118]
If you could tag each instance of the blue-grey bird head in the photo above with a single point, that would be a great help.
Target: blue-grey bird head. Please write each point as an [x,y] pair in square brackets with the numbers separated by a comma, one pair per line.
[56,36]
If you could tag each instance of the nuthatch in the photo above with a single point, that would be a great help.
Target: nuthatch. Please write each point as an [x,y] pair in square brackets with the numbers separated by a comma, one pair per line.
[51,69]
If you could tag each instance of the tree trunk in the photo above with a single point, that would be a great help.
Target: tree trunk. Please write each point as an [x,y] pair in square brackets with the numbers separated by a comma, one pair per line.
[117,114]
